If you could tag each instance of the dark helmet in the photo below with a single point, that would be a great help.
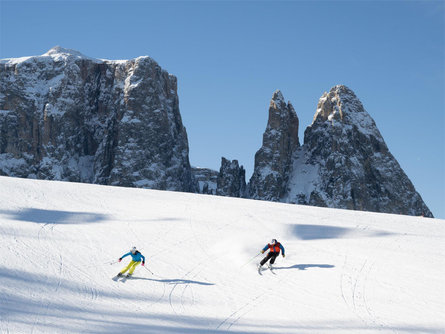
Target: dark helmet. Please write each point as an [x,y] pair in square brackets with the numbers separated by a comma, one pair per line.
[273,242]
[133,250]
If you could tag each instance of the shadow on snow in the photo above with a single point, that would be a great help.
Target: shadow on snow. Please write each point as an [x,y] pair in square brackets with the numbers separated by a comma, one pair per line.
[313,232]
[172,281]
[41,216]
[305,266]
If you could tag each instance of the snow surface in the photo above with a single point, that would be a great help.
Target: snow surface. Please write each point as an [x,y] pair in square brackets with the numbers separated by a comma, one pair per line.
[344,271]
[305,178]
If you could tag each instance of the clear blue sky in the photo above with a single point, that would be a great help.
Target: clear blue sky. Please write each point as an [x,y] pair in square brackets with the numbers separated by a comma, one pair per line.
[230,56]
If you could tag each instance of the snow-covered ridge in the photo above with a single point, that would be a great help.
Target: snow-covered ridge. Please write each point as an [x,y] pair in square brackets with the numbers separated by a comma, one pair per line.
[56,53]
[59,53]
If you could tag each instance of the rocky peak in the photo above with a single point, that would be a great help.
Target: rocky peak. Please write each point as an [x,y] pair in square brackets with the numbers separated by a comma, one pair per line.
[282,116]
[277,101]
[273,159]
[231,179]
[330,104]
[342,105]
[345,163]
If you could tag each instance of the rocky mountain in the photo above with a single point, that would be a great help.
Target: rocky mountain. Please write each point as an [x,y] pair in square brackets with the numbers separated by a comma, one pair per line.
[207,180]
[231,179]
[65,116]
[343,163]
[273,160]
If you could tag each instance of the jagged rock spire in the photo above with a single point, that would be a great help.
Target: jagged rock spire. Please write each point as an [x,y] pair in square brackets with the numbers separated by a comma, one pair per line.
[231,179]
[273,159]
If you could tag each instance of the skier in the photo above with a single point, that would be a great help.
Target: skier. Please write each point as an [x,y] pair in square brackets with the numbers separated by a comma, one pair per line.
[274,250]
[136,257]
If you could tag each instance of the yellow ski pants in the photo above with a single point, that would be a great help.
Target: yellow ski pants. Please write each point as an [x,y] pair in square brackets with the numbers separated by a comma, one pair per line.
[131,267]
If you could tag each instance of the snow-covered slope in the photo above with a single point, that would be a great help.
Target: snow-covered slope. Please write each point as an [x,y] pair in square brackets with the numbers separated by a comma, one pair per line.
[344,271]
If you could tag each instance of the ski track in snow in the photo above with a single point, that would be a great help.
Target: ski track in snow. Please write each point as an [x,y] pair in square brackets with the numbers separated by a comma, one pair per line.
[233,318]
[344,272]
[354,279]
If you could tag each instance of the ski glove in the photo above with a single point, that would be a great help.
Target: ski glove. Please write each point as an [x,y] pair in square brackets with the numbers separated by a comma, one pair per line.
[143,263]
[284,255]
[262,252]
[120,259]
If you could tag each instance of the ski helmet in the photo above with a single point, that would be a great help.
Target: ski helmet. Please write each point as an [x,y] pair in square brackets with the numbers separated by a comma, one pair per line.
[133,250]
[274,241]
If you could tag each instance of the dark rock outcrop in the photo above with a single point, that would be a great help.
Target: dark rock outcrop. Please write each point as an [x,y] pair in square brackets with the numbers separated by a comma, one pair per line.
[274,159]
[64,116]
[231,179]
[206,179]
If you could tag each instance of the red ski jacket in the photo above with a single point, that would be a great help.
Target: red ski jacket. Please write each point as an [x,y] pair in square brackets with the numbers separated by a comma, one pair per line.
[274,248]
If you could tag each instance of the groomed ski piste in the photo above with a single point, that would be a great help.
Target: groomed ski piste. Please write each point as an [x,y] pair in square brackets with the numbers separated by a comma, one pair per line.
[344,271]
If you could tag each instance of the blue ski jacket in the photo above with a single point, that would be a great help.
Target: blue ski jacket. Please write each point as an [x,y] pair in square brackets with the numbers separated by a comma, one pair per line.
[274,248]
[135,257]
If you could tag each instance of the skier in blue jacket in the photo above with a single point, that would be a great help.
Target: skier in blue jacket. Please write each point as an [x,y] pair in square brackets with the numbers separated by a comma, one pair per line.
[274,250]
[136,258]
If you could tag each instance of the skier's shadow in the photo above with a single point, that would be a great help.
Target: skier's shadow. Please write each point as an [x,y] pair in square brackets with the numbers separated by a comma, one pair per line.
[172,281]
[305,266]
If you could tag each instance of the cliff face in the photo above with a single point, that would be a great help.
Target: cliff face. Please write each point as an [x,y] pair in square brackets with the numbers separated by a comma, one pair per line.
[65,116]
[206,179]
[274,159]
[231,179]
[343,163]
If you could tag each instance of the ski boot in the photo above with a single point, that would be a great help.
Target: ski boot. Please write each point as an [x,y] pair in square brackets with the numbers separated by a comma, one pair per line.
[120,275]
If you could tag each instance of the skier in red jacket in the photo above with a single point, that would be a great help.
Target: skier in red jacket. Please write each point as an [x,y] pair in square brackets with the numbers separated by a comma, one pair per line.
[274,250]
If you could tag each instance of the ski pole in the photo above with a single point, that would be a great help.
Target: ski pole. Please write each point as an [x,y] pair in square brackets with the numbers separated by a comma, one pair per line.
[101,264]
[250,259]
[148,270]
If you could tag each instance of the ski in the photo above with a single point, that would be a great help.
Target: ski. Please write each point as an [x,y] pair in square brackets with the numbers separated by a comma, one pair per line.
[259,270]
[124,277]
